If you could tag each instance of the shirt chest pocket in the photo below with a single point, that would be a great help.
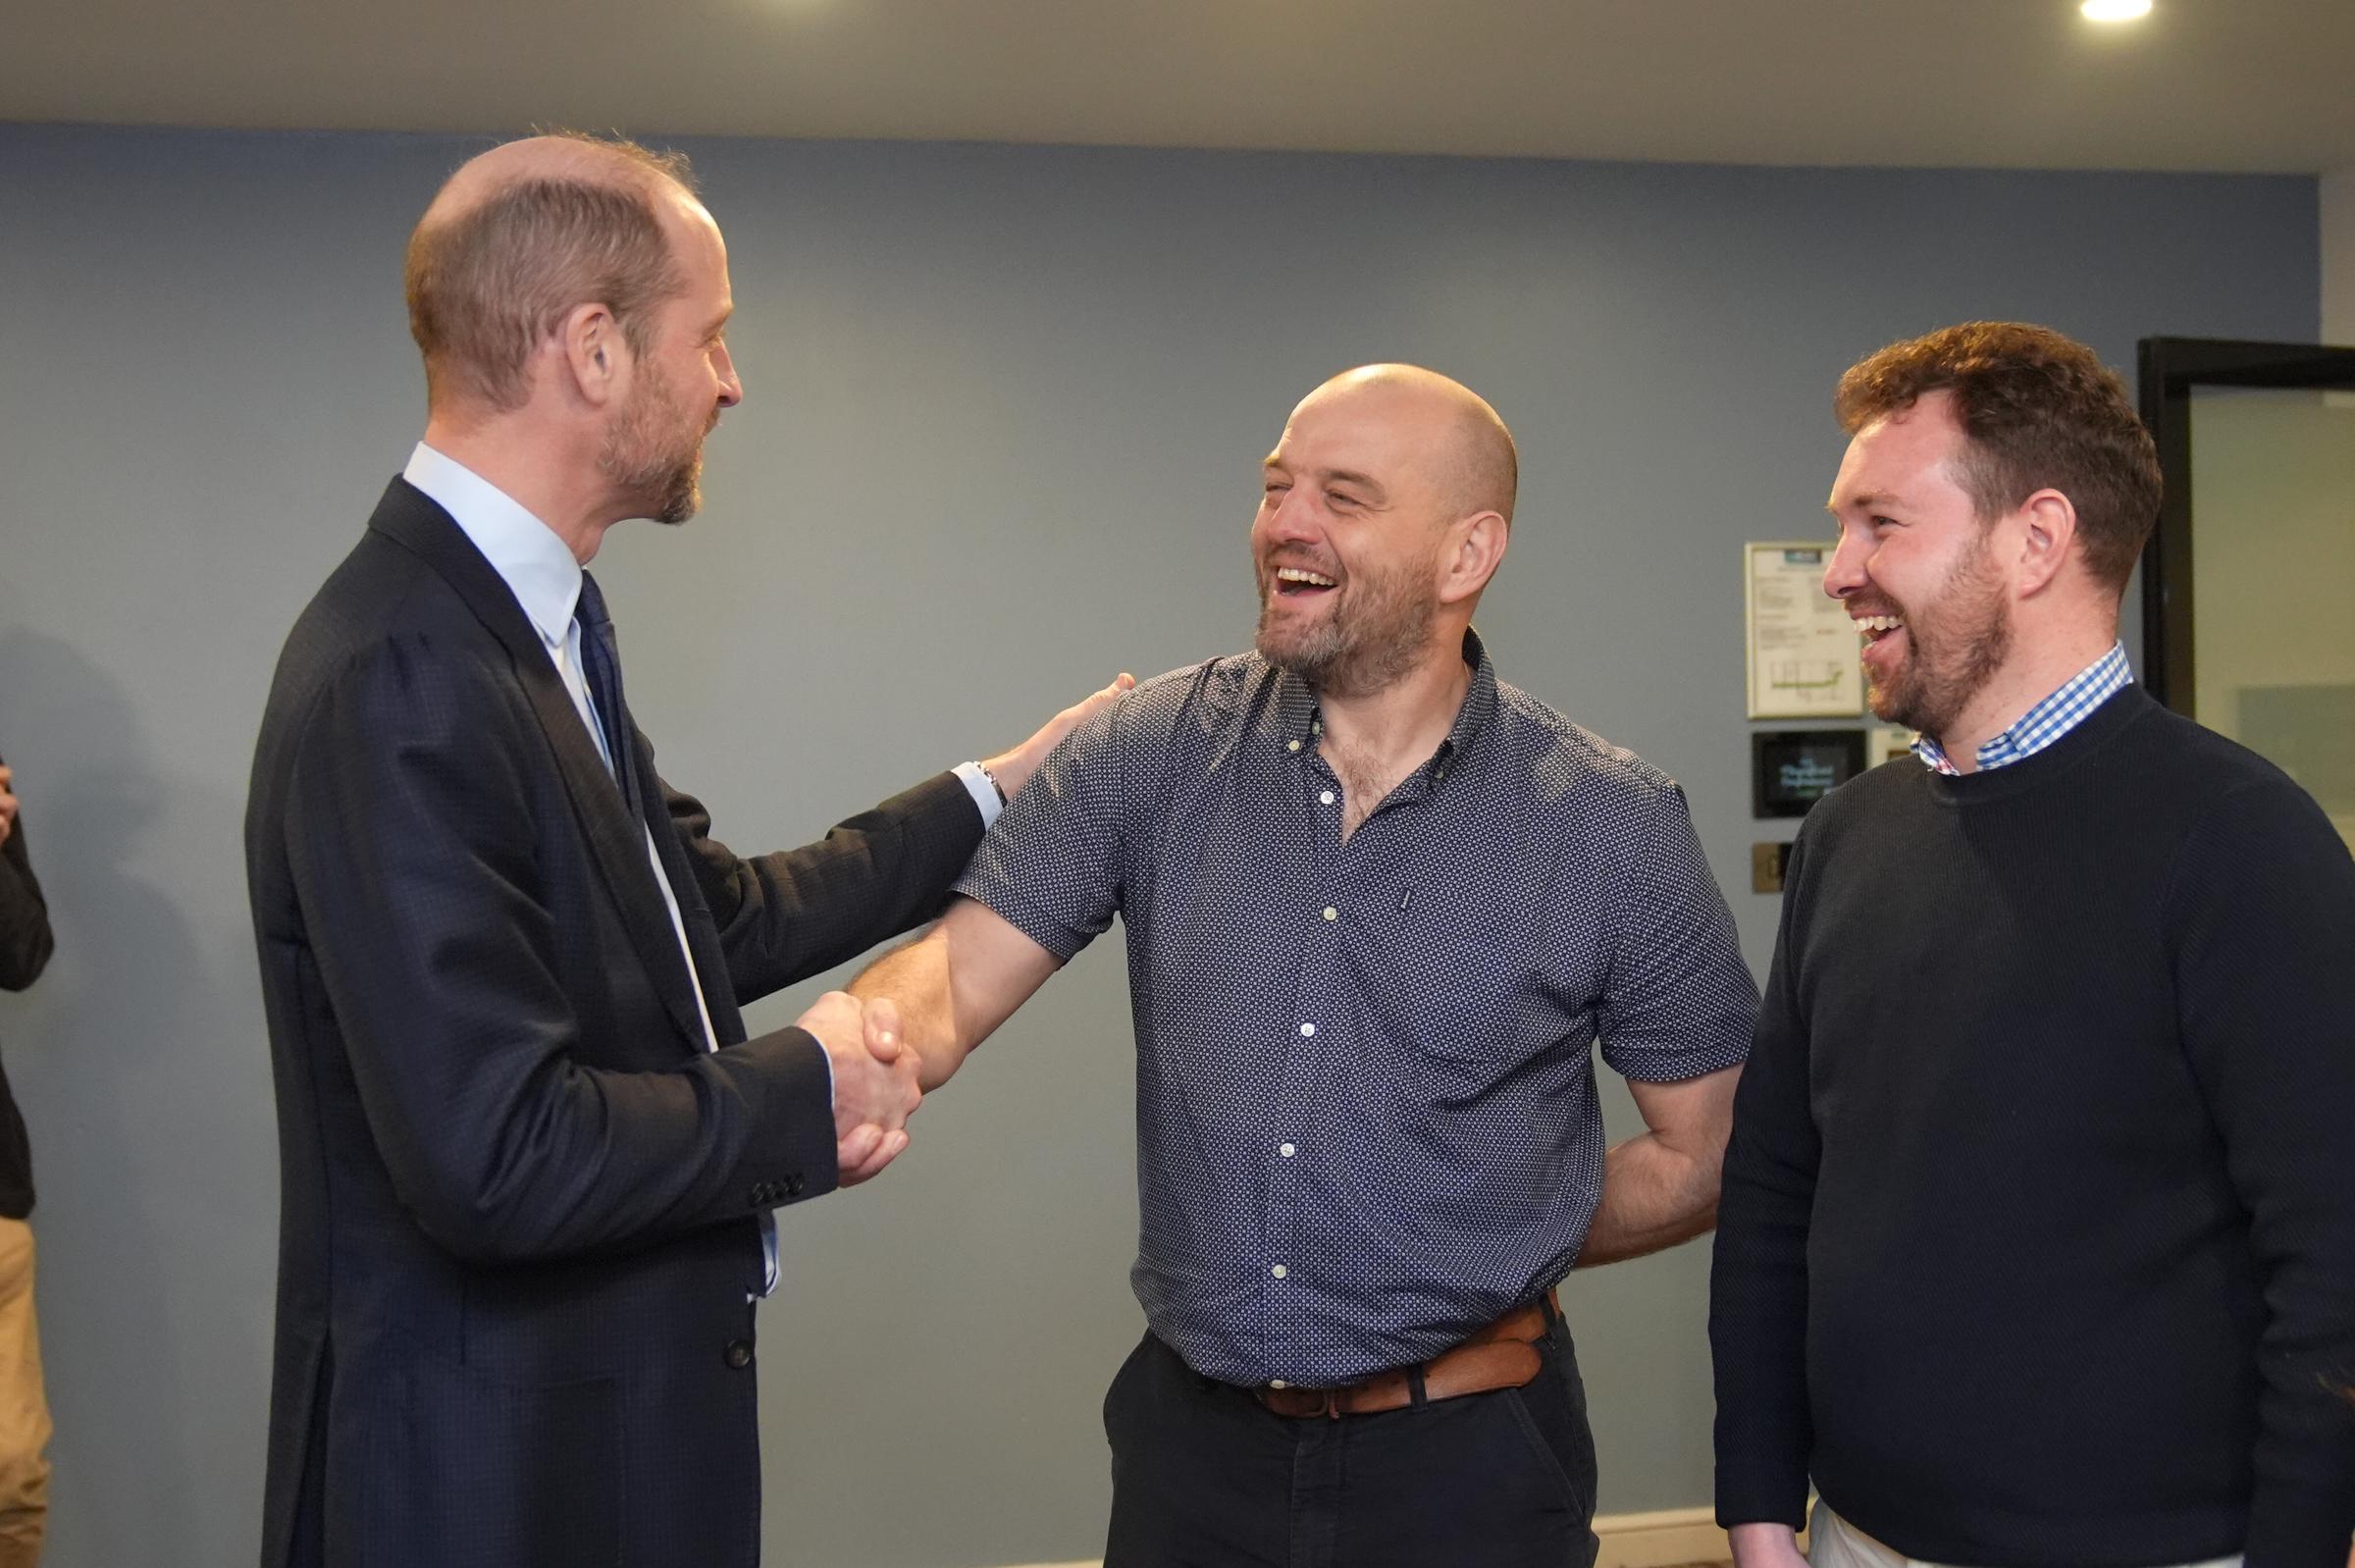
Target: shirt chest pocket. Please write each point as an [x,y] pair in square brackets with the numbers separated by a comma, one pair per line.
[1461,978]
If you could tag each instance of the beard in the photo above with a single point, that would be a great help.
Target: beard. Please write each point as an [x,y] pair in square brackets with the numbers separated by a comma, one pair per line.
[1955,644]
[646,456]
[1364,641]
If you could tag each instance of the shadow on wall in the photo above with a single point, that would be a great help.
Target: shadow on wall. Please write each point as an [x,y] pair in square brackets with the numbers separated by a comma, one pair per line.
[140,1064]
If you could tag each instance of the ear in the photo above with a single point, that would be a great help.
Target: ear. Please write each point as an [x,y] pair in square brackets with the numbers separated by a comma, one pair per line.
[1473,550]
[595,361]
[2048,535]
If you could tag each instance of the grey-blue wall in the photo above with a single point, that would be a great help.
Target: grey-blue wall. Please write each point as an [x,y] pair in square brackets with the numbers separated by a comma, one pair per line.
[1004,416]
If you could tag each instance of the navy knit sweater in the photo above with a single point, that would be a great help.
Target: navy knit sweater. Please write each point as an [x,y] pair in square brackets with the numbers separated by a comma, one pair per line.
[2037,1246]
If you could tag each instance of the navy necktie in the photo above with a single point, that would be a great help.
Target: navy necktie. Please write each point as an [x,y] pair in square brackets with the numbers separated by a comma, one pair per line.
[601,665]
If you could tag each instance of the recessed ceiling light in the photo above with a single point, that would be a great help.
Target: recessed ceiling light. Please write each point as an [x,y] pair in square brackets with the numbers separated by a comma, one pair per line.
[2115,10]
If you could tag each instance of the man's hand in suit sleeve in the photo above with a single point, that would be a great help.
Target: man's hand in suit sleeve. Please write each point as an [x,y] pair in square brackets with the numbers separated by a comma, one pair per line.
[875,1080]
[8,804]
[1012,770]
[785,917]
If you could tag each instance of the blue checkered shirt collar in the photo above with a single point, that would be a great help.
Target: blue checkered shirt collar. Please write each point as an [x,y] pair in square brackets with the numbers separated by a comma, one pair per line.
[2040,726]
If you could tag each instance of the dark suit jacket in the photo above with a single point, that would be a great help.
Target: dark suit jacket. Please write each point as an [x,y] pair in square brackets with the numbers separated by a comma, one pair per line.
[518,1196]
[24,945]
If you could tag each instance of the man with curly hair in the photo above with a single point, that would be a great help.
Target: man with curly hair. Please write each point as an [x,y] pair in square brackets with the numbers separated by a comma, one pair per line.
[2038,1243]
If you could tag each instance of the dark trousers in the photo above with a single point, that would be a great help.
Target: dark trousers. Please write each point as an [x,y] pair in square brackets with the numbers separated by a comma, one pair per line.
[1205,1476]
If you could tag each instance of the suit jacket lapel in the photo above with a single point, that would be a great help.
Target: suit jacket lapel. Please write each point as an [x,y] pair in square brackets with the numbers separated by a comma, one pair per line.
[412,519]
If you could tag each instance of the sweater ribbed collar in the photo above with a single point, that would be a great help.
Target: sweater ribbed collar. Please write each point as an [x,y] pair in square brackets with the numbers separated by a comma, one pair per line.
[2063,757]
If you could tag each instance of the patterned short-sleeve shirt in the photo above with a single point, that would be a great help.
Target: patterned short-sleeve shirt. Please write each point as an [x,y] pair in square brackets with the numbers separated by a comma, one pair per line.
[1366,1112]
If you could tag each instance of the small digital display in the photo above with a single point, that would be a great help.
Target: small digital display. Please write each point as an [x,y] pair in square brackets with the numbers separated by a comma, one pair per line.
[1792,769]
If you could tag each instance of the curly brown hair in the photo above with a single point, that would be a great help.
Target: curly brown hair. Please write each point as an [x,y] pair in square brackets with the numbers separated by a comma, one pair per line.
[2038,410]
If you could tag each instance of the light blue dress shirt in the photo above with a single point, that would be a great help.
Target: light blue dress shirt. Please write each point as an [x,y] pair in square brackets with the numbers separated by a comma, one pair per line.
[2045,723]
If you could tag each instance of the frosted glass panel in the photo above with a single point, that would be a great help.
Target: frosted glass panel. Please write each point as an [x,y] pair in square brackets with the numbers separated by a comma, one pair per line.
[2273,579]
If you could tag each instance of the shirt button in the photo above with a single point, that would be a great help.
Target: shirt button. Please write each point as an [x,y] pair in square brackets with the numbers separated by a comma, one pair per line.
[1280,1271]
[1332,913]
[1325,798]
[1308,1028]
[1277,1382]
[1291,746]
[1284,1149]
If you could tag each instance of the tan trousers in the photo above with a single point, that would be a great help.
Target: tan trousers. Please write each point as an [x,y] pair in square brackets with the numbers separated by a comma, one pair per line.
[1834,1542]
[24,1410]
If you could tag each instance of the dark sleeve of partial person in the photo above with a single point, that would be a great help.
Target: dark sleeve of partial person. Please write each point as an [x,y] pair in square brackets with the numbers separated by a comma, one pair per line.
[411,844]
[1759,1278]
[25,939]
[787,916]
[2261,910]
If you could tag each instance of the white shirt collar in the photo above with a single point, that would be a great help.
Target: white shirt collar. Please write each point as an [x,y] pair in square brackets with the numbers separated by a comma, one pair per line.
[537,567]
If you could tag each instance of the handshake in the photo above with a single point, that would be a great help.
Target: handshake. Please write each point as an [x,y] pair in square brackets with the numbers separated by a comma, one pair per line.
[876,1079]
[875,1088]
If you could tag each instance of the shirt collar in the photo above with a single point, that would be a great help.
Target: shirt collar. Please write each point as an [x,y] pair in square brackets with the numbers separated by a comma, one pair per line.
[1301,722]
[537,567]
[2045,723]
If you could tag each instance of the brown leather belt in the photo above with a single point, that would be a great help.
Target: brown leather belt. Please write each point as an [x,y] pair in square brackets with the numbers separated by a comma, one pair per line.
[1502,1355]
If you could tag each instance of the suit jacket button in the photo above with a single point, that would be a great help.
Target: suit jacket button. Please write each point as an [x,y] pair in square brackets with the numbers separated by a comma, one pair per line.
[740,1354]
[758,1196]
[793,1185]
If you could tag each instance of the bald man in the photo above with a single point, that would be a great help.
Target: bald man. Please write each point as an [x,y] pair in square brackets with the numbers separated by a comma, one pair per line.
[1380,907]
[528,1156]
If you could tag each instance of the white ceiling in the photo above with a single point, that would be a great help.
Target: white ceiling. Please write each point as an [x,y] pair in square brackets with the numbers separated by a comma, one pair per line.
[2220,85]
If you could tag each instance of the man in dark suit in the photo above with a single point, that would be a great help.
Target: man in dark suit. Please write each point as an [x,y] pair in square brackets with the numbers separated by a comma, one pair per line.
[528,1155]
[24,947]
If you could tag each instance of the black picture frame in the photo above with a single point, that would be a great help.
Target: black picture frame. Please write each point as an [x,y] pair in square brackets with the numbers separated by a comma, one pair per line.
[1831,757]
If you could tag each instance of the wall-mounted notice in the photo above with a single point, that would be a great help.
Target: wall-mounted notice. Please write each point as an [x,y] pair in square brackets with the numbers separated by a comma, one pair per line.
[1802,651]
[1886,743]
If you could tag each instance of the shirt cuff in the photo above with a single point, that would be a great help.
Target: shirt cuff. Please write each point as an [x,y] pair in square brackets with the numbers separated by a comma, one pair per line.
[984,791]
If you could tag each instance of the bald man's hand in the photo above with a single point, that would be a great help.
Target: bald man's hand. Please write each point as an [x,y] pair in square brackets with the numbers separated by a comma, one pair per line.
[875,1091]
[1012,770]
[8,804]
